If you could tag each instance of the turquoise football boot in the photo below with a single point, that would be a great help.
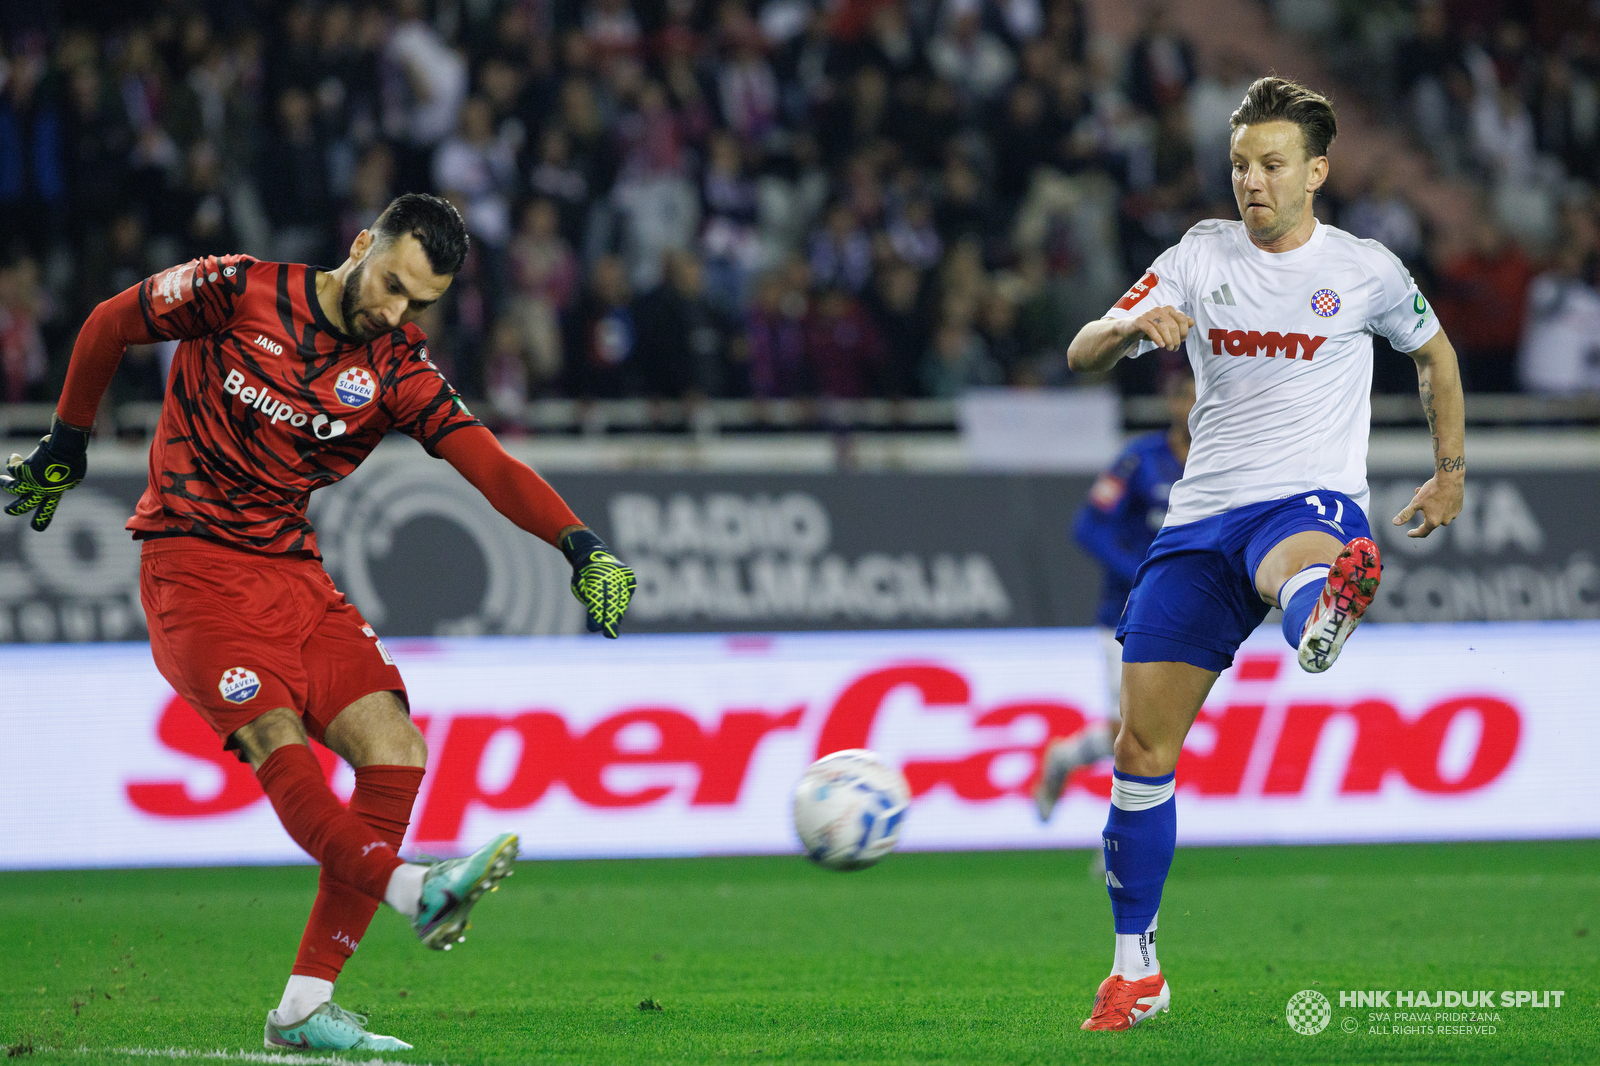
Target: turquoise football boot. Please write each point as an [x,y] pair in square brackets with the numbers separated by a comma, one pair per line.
[328,1028]
[450,888]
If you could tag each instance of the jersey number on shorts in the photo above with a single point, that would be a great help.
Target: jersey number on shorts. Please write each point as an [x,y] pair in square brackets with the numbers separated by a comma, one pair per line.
[1338,513]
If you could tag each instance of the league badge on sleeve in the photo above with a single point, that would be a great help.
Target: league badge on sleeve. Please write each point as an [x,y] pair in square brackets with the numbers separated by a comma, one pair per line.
[1140,290]
[239,685]
[355,387]
[1325,302]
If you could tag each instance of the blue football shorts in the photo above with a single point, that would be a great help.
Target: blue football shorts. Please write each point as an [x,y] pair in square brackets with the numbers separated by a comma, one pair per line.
[1194,598]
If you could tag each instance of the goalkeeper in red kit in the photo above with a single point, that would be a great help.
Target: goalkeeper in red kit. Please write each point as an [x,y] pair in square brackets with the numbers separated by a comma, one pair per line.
[284,380]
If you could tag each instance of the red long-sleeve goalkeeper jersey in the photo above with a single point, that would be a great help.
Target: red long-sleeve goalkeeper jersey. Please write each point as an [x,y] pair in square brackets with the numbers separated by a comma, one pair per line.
[267,400]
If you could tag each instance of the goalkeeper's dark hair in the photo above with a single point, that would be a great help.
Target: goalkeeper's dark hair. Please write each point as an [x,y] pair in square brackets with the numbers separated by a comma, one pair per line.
[1273,98]
[434,222]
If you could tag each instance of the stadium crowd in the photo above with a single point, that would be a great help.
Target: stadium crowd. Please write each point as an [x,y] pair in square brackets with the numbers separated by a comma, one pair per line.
[762,198]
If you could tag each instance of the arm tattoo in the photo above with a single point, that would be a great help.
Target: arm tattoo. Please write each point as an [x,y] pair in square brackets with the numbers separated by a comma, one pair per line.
[1452,464]
[1425,388]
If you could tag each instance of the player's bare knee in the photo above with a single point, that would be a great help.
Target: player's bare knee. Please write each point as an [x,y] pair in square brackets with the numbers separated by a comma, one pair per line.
[1292,555]
[376,731]
[259,738]
[413,747]
[1139,752]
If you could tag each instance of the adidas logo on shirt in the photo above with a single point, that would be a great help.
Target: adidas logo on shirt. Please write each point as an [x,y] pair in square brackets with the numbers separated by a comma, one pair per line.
[1222,296]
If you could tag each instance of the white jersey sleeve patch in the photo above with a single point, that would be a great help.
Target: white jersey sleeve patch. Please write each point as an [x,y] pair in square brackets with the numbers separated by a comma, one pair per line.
[1409,324]
[1159,287]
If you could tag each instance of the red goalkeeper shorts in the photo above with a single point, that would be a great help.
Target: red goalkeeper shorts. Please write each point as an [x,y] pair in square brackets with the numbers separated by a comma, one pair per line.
[239,634]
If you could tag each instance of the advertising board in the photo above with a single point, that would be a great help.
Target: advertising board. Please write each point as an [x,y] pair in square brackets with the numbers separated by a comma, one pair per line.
[687,745]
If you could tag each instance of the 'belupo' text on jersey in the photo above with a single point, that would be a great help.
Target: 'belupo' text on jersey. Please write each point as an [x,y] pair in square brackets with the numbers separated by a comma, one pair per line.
[267,400]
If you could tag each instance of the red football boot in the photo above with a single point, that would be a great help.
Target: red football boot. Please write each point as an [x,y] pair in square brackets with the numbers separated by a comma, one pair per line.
[1352,583]
[1123,1004]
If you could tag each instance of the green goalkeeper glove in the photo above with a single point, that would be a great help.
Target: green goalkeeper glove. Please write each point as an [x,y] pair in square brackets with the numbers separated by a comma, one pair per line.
[56,465]
[602,584]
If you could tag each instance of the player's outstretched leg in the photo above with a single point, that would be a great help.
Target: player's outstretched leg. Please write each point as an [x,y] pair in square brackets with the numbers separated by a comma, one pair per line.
[1320,615]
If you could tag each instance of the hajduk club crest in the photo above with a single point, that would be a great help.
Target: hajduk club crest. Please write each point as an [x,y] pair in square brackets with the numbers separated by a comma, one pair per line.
[239,685]
[354,387]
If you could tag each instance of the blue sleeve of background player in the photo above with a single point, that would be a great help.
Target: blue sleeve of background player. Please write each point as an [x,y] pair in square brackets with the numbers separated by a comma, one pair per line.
[1098,524]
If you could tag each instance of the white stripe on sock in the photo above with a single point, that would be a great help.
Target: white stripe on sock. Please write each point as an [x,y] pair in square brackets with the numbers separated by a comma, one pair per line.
[1317,572]
[1138,796]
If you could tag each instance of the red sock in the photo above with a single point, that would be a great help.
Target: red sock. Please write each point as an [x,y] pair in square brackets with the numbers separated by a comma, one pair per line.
[348,848]
[339,917]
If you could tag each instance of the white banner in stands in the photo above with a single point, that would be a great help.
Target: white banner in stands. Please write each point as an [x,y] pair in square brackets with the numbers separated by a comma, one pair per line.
[687,745]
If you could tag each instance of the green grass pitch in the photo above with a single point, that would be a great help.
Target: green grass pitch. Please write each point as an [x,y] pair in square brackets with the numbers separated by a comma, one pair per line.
[947,958]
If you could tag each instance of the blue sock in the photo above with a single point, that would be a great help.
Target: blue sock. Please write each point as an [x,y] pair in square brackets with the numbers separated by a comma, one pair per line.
[1298,598]
[1140,836]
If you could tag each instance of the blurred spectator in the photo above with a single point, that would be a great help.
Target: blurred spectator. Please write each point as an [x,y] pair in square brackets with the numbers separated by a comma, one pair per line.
[900,306]
[1482,295]
[96,148]
[1566,115]
[612,30]
[1382,213]
[459,322]
[997,325]
[1560,351]
[371,188]
[1502,133]
[913,236]
[841,253]
[24,305]
[1161,63]
[1022,141]
[294,184]
[1425,65]
[602,342]
[729,237]
[683,338]
[544,282]
[959,359]
[424,83]
[1212,100]
[776,340]
[843,346]
[199,215]
[969,57]
[657,208]
[557,178]
[746,86]
[507,373]
[119,263]
[33,180]
[962,210]
[483,167]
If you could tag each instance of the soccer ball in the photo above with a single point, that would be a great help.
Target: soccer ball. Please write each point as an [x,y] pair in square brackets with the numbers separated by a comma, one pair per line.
[849,808]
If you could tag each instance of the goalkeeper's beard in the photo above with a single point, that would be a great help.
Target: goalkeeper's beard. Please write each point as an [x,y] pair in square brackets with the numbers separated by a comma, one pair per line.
[347,305]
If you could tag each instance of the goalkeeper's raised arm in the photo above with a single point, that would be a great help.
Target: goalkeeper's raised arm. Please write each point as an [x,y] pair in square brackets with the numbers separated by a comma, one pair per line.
[599,580]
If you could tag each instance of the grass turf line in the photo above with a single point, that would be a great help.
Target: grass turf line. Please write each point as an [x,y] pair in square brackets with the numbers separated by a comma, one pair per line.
[928,958]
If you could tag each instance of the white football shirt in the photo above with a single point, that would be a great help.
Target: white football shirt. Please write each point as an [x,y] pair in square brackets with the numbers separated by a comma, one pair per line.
[1282,356]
